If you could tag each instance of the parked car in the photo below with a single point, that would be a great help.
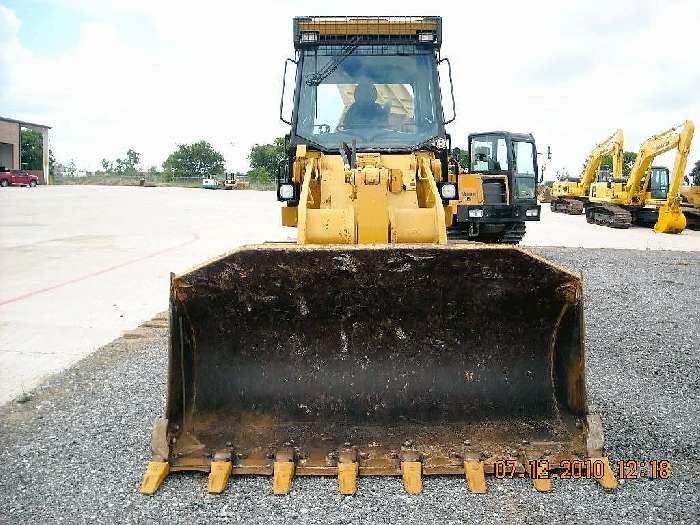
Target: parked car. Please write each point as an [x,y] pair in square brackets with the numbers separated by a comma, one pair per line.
[210,184]
[18,178]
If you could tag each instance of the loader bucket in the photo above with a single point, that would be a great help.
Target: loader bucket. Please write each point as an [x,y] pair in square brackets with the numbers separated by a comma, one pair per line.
[435,353]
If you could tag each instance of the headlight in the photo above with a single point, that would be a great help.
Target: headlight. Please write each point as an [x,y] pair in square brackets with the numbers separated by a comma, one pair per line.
[286,191]
[426,36]
[476,212]
[309,36]
[448,191]
[532,212]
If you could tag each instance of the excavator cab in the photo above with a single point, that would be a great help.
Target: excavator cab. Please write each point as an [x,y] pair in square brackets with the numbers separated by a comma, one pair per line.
[658,183]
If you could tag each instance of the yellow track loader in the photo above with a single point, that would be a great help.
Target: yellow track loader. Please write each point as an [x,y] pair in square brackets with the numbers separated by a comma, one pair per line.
[571,194]
[371,346]
[647,195]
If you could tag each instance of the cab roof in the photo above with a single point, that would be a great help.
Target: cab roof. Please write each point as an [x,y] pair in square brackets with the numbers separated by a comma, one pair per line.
[310,31]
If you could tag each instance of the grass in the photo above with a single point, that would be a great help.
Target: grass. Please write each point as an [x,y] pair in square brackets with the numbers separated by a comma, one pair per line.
[182,182]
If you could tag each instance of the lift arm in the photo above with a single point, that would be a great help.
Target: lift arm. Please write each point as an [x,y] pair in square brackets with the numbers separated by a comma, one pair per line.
[613,145]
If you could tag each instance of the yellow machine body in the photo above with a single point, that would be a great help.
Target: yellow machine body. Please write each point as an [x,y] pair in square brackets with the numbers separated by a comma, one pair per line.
[634,191]
[385,199]
[371,346]
[569,195]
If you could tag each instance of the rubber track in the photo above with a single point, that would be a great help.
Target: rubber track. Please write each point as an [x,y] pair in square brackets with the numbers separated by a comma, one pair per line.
[514,234]
[609,215]
[570,206]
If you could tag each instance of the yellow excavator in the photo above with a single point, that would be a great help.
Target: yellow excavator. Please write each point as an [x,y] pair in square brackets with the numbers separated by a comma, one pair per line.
[647,195]
[371,346]
[570,194]
[690,202]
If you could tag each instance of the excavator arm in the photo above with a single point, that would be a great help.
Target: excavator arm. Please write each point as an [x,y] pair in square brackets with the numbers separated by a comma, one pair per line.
[652,148]
[671,218]
[613,145]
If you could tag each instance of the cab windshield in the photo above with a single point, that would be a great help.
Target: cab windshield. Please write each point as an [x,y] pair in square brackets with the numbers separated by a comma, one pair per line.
[387,100]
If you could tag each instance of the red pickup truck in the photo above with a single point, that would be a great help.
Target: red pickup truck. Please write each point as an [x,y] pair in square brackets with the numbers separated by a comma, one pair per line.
[18,178]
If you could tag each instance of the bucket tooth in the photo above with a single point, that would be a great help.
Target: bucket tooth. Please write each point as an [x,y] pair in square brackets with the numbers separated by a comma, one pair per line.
[542,484]
[538,470]
[608,480]
[218,476]
[474,473]
[154,476]
[282,477]
[412,472]
[348,470]
[347,478]
[283,472]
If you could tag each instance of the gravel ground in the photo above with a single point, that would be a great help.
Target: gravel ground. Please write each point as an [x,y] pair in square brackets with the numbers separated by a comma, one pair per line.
[75,450]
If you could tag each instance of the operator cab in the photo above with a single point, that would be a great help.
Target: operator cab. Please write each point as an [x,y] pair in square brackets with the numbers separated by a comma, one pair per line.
[379,91]
[503,153]
[658,186]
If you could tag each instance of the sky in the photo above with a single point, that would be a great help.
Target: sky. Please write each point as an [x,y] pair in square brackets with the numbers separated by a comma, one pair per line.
[149,75]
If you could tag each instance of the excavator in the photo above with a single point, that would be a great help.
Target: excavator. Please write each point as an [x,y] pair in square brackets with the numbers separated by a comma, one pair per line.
[690,202]
[571,194]
[618,203]
[371,346]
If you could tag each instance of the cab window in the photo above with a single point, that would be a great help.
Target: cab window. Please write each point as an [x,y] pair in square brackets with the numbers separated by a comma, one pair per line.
[525,176]
[488,153]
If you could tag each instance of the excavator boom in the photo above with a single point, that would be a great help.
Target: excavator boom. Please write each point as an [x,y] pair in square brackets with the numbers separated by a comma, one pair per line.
[616,203]
[569,195]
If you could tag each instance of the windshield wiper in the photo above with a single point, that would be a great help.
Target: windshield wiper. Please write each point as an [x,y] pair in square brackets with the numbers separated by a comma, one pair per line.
[317,78]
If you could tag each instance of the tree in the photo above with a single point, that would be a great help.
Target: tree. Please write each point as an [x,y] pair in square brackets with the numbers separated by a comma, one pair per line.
[32,145]
[191,160]
[696,169]
[70,168]
[52,164]
[694,174]
[106,166]
[628,162]
[265,160]
[127,167]
[132,158]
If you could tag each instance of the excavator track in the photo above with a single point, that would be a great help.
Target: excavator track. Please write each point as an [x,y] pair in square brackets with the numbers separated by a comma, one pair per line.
[513,234]
[569,206]
[609,215]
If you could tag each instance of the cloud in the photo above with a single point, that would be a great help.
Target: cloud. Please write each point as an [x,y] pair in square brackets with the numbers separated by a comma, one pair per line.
[150,75]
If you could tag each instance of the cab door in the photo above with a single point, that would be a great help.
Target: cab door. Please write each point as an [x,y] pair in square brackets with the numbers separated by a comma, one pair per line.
[658,187]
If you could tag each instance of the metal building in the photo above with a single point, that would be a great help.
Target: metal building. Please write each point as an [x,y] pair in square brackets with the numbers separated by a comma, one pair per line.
[10,146]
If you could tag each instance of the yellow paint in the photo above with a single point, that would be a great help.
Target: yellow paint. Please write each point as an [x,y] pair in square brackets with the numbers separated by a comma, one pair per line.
[156,472]
[542,484]
[367,26]
[608,481]
[613,145]
[633,192]
[386,198]
[289,216]
[282,477]
[347,478]
[411,472]
[471,191]
[671,218]
[474,474]
[218,476]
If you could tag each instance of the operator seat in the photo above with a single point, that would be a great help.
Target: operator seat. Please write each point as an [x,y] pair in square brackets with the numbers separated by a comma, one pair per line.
[365,112]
